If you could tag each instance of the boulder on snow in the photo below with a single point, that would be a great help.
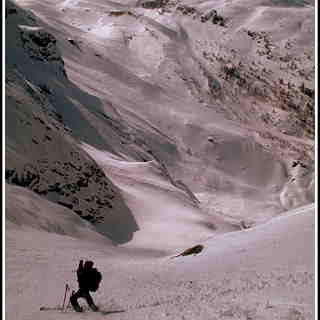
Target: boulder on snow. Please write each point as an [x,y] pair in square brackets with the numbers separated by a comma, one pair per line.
[214,17]
[193,250]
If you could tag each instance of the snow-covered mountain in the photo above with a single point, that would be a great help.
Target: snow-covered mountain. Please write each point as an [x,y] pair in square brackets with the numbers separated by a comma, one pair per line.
[137,129]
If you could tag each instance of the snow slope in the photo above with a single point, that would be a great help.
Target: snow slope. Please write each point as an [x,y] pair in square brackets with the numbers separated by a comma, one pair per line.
[263,273]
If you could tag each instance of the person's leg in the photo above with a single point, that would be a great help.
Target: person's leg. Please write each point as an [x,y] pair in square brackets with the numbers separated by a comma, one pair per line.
[74,300]
[89,300]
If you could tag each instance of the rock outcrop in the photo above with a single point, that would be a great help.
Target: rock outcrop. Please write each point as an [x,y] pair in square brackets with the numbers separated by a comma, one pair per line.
[42,154]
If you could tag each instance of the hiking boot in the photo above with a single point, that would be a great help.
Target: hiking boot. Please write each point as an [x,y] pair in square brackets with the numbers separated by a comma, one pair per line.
[75,305]
[77,308]
[93,307]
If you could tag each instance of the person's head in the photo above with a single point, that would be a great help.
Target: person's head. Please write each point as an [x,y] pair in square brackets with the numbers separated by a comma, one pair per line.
[88,264]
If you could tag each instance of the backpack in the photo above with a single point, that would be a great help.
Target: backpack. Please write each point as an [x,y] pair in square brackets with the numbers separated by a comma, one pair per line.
[95,278]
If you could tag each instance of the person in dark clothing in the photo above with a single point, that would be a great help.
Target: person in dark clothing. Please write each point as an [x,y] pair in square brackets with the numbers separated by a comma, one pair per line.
[85,285]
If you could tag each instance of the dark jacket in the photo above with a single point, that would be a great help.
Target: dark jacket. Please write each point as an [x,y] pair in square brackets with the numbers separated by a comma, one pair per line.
[83,274]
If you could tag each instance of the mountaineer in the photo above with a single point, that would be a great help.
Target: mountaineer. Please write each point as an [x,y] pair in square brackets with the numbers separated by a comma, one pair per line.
[88,279]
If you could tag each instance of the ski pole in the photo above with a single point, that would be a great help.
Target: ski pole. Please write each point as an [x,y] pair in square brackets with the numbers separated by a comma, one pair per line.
[73,292]
[65,295]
